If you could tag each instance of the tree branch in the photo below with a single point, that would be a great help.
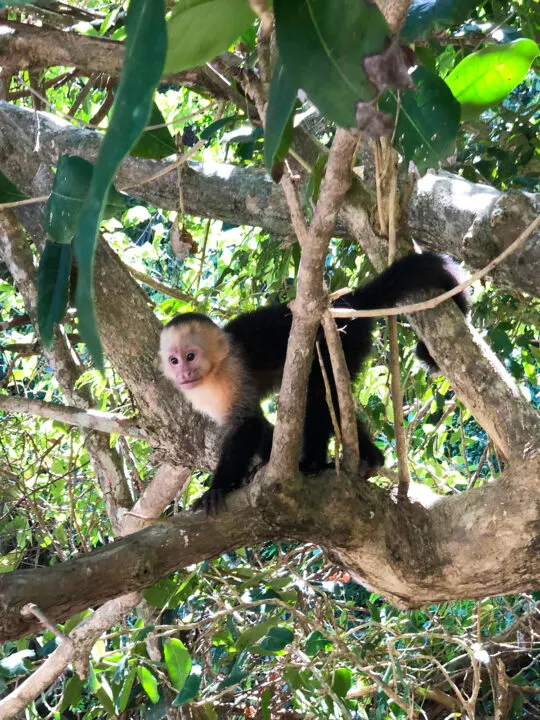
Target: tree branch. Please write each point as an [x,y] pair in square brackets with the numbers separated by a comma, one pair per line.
[412,555]
[88,419]
[309,306]
[442,210]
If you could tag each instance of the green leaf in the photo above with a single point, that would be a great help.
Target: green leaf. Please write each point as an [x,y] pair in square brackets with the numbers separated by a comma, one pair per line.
[74,620]
[8,191]
[178,661]
[485,78]
[342,681]
[72,182]
[266,698]
[161,592]
[105,700]
[53,288]
[72,693]
[316,642]
[149,683]
[144,56]
[255,633]
[155,144]
[278,133]
[123,697]
[210,130]
[313,186]
[428,120]
[426,15]
[198,30]
[323,46]
[277,639]
[191,689]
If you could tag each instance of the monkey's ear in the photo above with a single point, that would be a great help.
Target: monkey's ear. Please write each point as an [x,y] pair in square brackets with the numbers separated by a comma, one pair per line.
[222,346]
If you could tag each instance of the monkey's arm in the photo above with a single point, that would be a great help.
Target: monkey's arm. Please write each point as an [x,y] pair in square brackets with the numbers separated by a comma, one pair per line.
[251,437]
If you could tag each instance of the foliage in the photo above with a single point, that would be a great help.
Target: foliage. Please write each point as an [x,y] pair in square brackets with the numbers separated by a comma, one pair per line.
[277,627]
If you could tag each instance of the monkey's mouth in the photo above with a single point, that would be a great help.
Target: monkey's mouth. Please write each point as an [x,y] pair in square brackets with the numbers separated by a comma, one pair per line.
[189,384]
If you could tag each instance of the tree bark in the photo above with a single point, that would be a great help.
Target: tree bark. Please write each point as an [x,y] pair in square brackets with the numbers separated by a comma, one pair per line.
[469,221]
[470,545]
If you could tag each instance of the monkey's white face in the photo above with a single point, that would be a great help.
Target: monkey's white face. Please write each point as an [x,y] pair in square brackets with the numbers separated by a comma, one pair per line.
[189,355]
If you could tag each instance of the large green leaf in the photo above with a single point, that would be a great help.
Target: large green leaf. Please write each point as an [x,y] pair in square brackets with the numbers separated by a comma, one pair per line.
[53,288]
[428,120]
[199,30]
[155,144]
[485,78]
[145,53]
[276,639]
[426,15]
[8,191]
[278,131]
[178,661]
[125,692]
[149,683]
[323,46]
[342,681]
[72,693]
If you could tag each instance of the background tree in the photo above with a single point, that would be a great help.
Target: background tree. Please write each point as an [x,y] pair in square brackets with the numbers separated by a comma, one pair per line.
[275,626]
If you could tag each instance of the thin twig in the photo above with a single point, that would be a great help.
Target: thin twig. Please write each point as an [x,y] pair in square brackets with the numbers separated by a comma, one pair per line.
[32,609]
[331,408]
[342,380]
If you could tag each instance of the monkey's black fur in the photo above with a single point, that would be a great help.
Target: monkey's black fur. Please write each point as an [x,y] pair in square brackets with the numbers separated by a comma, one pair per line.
[261,338]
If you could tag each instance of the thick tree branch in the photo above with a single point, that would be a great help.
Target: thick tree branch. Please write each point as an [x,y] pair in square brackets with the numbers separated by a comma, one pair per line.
[309,306]
[442,210]
[24,46]
[412,555]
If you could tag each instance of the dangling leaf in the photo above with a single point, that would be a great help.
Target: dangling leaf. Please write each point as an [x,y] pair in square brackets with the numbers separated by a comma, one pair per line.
[199,30]
[191,689]
[278,133]
[178,661]
[53,288]
[323,46]
[149,683]
[72,182]
[8,191]
[485,78]
[428,120]
[146,46]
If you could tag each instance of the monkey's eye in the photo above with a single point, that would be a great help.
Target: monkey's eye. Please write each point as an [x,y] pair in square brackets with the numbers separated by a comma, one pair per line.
[173,360]
[190,356]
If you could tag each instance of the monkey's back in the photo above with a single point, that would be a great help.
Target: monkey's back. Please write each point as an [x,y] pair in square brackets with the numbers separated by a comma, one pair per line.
[262,336]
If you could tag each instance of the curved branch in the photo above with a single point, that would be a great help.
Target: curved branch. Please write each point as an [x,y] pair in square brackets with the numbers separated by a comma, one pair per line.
[466,546]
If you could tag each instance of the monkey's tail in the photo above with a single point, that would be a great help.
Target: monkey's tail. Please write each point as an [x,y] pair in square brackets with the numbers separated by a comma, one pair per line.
[406,278]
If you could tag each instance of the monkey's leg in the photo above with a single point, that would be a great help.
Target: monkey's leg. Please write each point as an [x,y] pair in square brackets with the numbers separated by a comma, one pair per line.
[317,430]
[239,448]
[371,458]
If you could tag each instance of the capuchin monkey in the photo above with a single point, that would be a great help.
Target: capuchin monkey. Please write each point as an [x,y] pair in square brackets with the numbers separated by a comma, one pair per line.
[225,373]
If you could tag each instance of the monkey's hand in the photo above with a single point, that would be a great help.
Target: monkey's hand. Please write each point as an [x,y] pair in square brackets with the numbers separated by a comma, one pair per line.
[212,501]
